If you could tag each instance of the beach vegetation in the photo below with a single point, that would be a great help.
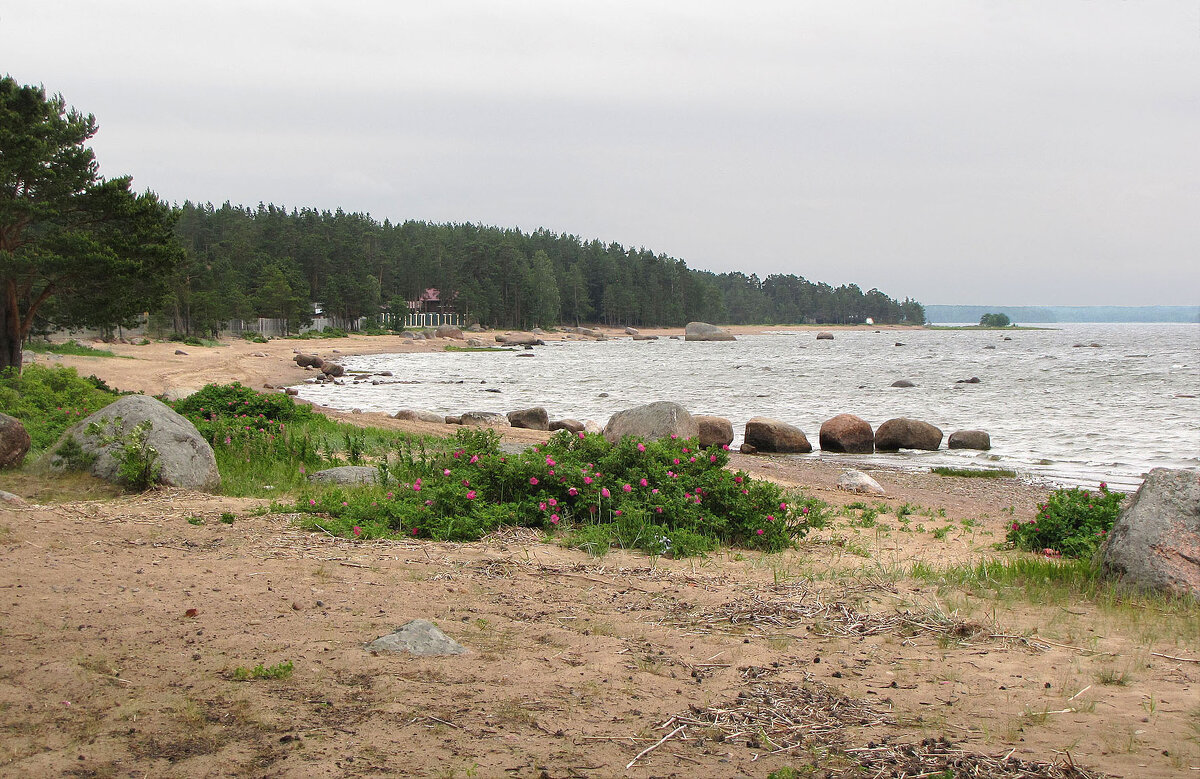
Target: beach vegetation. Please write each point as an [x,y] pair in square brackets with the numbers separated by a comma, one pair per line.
[71,348]
[973,473]
[49,399]
[1071,523]
[995,320]
[278,671]
[667,497]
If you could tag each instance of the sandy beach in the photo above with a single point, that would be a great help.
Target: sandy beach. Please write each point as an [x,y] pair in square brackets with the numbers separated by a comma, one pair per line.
[123,624]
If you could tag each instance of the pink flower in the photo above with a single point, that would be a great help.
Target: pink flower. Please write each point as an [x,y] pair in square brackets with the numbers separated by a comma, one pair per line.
[654,491]
[686,450]
[429,503]
[783,507]
[1015,526]
[770,517]
[658,509]
[391,494]
[712,458]
[466,482]
[417,487]
[673,436]
[474,458]
[675,461]
[587,479]
[644,483]
[641,447]
[737,479]
[572,492]
[627,488]
[533,480]
[416,530]
[760,531]
[554,501]
[550,461]
[312,502]
[617,512]
[357,530]
[470,494]
[445,471]
[604,491]
[554,519]
[580,434]
[804,510]
[725,447]
[691,459]
[542,506]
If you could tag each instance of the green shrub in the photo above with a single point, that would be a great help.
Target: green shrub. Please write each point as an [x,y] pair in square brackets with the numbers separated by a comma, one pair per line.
[1071,523]
[137,461]
[234,401]
[68,347]
[49,399]
[663,497]
[278,671]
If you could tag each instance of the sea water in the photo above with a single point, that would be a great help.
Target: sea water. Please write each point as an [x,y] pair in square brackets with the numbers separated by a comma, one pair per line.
[1057,408]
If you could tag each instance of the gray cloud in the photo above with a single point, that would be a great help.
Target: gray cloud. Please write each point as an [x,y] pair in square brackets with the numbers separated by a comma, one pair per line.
[952,151]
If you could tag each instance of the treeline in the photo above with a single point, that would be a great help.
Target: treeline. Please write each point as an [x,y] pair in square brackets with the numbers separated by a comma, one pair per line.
[243,263]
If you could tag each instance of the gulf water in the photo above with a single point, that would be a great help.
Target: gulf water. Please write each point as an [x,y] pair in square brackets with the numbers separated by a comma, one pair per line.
[1058,409]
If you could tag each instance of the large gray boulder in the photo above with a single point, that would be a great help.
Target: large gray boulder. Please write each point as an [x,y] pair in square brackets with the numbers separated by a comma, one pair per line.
[419,415]
[184,457]
[904,433]
[1155,542]
[530,418]
[483,419]
[14,441]
[519,339]
[662,419]
[308,361]
[333,369]
[703,331]
[346,474]
[449,331]
[970,439]
[848,434]
[771,435]
[714,431]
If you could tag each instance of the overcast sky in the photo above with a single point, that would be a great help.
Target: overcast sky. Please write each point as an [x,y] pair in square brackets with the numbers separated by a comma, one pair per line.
[967,151]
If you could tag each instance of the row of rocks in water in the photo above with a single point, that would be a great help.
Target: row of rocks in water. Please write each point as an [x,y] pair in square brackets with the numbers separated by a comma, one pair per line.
[844,433]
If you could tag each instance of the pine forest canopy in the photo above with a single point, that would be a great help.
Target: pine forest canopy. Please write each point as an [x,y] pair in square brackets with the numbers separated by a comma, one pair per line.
[242,263]
[76,250]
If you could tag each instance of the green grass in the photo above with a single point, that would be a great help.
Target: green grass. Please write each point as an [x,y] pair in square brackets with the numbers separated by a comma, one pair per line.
[452,348]
[278,671]
[49,399]
[976,473]
[73,348]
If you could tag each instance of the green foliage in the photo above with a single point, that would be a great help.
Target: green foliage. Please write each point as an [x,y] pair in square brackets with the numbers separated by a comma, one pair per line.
[227,402]
[73,456]
[975,473]
[278,671]
[227,517]
[1071,523]
[69,347]
[994,320]
[48,400]
[663,497]
[137,461]
[76,250]
[311,335]
[253,337]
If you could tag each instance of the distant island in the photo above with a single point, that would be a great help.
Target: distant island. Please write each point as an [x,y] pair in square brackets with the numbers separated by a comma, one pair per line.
[1036,314]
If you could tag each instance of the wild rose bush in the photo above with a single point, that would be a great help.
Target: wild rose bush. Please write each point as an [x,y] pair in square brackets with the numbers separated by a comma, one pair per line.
[1071,523]
[664,497]
[235,401]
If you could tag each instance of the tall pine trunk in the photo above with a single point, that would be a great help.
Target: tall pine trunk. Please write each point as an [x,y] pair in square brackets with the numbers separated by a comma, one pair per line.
[11,346]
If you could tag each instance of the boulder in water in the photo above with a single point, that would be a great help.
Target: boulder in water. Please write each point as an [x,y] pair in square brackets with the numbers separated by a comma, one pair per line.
[771,435]
[970,439]
[703,331]
[848,434]
[905,433]
[530,418]
[714,431]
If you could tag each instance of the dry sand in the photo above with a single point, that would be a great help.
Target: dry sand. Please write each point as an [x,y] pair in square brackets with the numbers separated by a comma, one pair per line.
[121,625]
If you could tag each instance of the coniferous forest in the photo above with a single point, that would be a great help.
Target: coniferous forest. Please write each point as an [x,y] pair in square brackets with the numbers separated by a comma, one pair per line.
[243,263]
